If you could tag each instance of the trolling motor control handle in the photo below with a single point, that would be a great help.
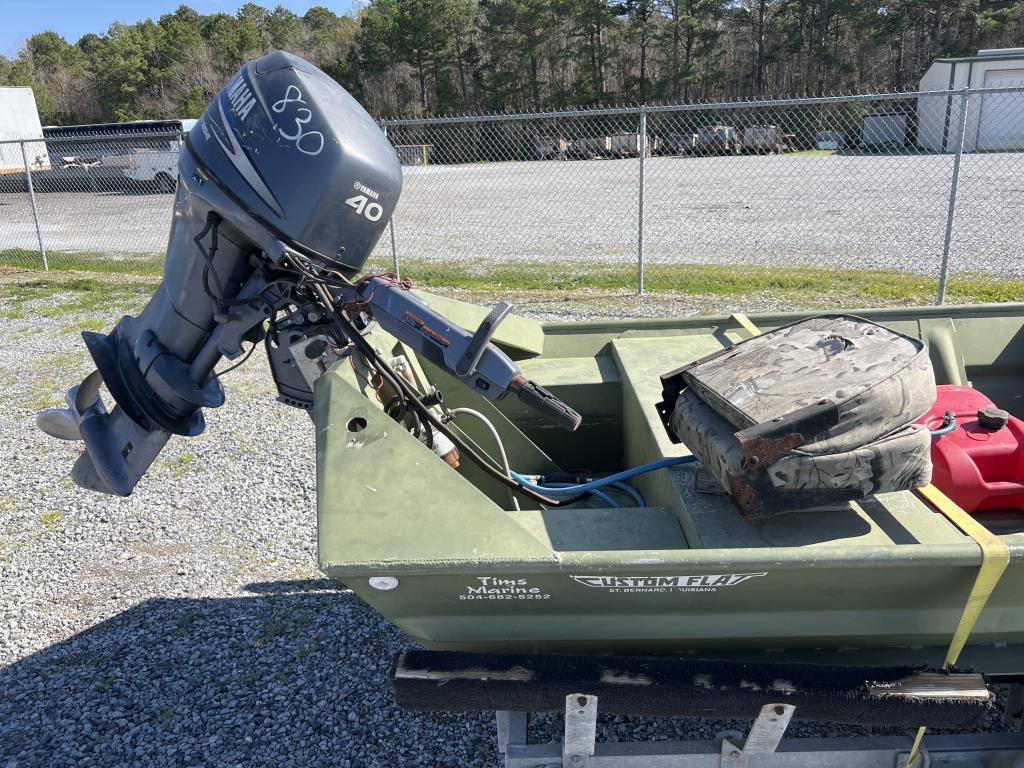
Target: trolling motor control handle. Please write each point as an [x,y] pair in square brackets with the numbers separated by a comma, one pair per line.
[535,397]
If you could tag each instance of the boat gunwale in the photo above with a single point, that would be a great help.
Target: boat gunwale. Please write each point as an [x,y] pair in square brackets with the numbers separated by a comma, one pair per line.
[965,554]
[710,321]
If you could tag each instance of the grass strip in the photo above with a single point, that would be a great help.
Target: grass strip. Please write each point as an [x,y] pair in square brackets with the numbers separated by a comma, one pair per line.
[84,261]
[790,282]
[815,284]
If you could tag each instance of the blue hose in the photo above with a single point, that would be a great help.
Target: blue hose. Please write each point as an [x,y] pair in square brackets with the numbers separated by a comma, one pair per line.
[599,494]
[633,492]
[618,477]
[606,499]
[950,425]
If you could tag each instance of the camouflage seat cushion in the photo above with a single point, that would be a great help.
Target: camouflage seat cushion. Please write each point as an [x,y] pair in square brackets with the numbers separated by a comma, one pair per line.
[897,461]
[879,380]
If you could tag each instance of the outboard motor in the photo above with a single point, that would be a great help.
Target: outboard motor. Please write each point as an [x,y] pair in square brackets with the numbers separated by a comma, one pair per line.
[285,185]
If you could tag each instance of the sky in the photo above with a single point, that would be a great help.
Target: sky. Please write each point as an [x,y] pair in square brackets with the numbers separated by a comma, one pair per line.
[20,19]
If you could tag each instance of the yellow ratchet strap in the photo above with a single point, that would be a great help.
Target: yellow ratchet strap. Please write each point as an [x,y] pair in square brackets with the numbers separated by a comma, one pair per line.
[746,323]
[995,556]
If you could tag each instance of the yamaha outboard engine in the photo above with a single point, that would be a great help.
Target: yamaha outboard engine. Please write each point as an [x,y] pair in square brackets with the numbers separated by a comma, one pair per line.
[285,185]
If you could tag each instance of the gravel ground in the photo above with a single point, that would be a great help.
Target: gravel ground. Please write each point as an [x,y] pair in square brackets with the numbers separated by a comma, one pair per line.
[845,211]
[187,625]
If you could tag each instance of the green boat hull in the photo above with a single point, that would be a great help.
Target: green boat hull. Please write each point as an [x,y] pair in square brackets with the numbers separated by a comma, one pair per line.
[441,552]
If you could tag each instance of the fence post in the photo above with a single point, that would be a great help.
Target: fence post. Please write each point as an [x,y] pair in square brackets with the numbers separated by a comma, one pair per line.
[951,210]
[391,219]
[32,200]
[640,212]
[394,248]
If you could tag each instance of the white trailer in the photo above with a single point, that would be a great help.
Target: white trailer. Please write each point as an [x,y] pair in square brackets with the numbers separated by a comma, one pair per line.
[156,167]
[880,130]
[589,147]
[628,145]
[551,147]
[19,119]
[995,121]
[829,140]
[762,138]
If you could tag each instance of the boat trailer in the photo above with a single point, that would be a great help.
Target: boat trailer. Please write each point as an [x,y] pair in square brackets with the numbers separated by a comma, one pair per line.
[771,695]
[763,747]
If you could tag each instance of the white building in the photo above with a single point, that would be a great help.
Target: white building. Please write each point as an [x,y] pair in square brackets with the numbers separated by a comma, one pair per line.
[994,121]
[19,119]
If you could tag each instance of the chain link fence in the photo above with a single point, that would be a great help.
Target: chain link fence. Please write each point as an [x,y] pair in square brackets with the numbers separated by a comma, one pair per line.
[928,183]
[76,196]
[921,182]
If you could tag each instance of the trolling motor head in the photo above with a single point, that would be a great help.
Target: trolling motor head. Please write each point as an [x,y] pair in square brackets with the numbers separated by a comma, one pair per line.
[285,185]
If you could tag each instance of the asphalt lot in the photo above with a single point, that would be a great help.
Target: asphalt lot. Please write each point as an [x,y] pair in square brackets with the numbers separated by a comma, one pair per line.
[113,222]
[846,211]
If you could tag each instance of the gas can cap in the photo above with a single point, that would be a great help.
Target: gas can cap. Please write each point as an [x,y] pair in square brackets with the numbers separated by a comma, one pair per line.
[992,417]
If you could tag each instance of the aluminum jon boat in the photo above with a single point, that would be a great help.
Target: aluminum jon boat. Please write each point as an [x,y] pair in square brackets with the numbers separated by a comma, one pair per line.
[446,555]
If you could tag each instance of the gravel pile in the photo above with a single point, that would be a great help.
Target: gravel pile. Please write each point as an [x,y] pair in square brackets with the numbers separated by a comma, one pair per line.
[187,625]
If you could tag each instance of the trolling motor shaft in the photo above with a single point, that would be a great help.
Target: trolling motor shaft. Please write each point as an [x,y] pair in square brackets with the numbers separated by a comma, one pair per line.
[285,186]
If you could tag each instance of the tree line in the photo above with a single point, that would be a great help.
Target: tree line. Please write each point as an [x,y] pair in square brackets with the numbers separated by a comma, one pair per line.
[408,57]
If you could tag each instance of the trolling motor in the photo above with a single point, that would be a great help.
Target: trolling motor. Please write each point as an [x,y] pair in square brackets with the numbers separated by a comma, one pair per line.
[285,185]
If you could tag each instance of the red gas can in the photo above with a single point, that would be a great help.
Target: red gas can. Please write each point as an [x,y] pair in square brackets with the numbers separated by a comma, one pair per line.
[979,467]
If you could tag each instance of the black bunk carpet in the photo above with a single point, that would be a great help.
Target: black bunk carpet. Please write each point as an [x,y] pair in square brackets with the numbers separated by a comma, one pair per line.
[647,686]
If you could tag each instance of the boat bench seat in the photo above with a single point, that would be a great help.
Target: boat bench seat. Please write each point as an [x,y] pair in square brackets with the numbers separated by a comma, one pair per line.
[584,529]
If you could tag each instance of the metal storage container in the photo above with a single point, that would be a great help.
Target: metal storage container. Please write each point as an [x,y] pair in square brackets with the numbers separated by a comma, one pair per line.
[628,145]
